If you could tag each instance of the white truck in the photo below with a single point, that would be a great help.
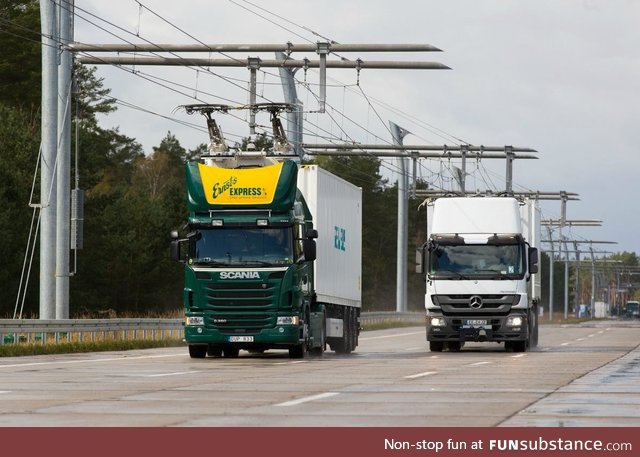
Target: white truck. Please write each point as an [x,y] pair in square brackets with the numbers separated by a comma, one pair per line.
[481,265]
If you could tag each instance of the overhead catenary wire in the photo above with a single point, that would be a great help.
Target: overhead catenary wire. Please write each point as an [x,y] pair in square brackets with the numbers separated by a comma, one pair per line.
[333,120]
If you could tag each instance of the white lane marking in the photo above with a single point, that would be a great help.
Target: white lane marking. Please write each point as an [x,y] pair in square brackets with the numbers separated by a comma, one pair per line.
[420,375]
[479,363]
[307,399]
[69,362]
[390,336]
[565,344]
[518,356]
[413,348]
[5,391]
[592,335]
[177,373]
[290,362]
[580,339]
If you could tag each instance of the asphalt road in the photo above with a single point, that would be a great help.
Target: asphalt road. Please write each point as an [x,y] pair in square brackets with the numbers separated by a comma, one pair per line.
[580,375]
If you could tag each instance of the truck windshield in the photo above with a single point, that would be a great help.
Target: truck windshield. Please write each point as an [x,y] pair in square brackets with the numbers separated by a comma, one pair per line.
[486,261]
[241,246]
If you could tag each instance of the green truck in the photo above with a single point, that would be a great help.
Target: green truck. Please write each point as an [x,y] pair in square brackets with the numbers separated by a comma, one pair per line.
[272,257]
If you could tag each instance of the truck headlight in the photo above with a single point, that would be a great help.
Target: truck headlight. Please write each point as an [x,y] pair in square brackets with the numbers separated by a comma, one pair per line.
[514,321]
[438,322]
[288,320]
[194,320]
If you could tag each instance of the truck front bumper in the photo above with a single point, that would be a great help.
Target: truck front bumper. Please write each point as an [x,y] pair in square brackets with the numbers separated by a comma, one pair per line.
[279,337]
[513,327]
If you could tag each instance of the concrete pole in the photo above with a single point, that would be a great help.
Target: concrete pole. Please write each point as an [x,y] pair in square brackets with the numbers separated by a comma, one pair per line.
[49,136]
[64,164]
[398,134]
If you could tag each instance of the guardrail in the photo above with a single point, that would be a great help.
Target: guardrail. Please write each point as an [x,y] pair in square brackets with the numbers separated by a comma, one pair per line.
[14,331]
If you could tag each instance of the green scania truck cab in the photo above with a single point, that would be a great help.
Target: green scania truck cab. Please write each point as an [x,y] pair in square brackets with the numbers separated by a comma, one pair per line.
[248,251]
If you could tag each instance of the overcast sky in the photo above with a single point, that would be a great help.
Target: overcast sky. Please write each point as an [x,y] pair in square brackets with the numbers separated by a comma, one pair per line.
[562,77]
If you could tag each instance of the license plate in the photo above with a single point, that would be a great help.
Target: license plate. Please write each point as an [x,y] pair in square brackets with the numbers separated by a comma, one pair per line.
[476,323]
[240,339]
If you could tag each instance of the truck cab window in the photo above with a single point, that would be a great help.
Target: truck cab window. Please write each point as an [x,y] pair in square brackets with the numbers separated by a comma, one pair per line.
[243,246]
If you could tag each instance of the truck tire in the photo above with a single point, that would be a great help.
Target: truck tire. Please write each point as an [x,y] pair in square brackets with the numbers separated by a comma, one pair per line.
[436,346]
[533,331]
[344,344]
[319,350]
[516,346]
[299,351]
[230,352]
[214,351]
[197,351]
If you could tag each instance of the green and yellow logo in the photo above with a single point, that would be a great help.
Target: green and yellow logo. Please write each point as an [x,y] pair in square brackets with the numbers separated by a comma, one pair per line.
[248,186]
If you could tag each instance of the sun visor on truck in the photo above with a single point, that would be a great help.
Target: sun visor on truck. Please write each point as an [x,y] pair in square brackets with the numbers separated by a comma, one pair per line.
[272,187]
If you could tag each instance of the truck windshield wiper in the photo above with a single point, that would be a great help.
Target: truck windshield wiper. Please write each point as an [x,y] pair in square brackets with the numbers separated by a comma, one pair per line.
[452,273]
[256,262]
[210,262]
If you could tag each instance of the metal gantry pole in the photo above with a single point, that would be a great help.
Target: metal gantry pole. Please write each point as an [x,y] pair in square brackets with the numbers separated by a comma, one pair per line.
[49,135]
[398,134]
[552,260]
[295,118]
[63,171]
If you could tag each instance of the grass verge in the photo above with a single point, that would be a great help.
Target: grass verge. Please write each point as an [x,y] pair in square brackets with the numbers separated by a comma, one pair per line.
[15,350]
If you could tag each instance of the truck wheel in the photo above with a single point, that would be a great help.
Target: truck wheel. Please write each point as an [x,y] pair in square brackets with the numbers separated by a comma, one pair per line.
[515,346]
[299,351]
[214,351]
[319,350]
[343,346]
[197,351]
[230,352]
[436,346]
[454,346]
[533,331]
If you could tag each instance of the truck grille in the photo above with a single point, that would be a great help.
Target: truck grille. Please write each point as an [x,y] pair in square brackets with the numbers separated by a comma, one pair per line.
[475,304]
[241,306]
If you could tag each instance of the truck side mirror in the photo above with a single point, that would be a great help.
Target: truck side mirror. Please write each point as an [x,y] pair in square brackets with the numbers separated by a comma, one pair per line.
[175,246]
[420,261]
[533,260]
[309,249]
[312,234]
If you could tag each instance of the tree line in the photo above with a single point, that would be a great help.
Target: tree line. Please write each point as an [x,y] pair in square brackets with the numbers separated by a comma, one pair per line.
[134,198]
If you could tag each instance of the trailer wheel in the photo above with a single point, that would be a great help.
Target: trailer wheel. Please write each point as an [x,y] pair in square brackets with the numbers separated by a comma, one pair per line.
[197,351]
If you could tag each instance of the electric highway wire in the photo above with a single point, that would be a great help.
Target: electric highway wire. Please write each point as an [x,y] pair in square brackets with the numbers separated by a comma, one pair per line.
[173,25]
[428,127]
[208,71]
[192,67]
[196,39]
